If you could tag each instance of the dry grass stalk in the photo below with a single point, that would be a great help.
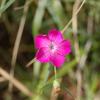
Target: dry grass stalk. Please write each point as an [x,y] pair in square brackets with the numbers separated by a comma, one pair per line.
[66,26]
[15,82]
[18,39]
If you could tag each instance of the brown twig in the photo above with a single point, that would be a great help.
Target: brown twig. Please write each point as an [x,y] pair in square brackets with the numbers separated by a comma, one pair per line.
[75,29]
[76,46]
[30,62]
[54,93]
[56,89]
[18,39]
[82,59]
[15,82]
[2,79]
[79,84]
[67,25]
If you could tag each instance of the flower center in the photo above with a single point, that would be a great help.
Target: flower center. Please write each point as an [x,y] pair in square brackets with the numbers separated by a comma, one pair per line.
[53,47]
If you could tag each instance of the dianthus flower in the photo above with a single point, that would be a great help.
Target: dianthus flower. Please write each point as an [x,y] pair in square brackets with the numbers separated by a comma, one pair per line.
[52,48]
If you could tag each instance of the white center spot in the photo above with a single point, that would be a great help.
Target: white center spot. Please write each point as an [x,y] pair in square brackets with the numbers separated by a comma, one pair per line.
[53,47]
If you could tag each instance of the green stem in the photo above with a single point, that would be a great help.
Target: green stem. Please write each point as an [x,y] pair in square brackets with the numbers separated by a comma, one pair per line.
[55,71]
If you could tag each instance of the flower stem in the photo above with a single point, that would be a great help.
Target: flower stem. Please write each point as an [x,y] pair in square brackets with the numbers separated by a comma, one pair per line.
[55,71]
[77,11]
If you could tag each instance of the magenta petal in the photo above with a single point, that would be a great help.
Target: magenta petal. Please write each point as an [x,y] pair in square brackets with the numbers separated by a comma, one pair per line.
[64,47]
[55,35]
[41,41]
[57,60]
[43,55]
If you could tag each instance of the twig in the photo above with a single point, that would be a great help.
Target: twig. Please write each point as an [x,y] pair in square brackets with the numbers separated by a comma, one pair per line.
[79,84]
[15,82]
[31,62]
[2,79]
[22,7]
[55,90]
[88,43]
[76,46]
[66,26]
[74,27]
[54,93]
[18,8]
[83,58]
[18,38]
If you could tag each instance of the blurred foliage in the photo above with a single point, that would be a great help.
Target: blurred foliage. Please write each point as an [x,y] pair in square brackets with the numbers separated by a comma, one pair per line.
[42,16]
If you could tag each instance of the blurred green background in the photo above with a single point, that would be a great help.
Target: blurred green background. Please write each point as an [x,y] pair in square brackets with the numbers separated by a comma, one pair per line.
[82,68]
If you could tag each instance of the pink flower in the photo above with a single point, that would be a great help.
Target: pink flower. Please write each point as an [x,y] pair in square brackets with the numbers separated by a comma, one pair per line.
[52,48]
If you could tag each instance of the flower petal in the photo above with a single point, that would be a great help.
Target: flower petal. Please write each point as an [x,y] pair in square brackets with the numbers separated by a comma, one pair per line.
[41,41]
[43,55]
[55,35]
[57,60]
[64,47]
